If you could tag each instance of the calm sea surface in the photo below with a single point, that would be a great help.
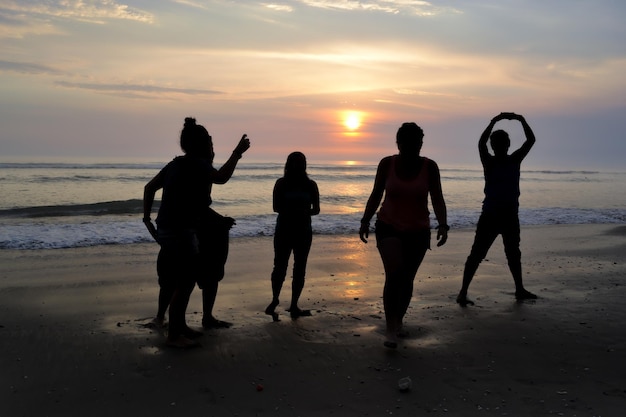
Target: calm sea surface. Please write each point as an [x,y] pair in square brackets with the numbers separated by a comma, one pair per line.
[57,205]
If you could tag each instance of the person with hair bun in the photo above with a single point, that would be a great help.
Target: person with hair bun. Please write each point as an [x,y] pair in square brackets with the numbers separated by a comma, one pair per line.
[190,233]
[403,222]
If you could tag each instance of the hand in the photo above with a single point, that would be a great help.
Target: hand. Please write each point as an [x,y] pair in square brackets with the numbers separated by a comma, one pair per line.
[229,222]
[151,229]
[243,145]
[442,236]
[364,232]
[518,117]
[511,116]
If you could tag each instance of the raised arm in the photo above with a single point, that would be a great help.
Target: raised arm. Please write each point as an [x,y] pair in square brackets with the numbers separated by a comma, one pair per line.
[439,204]
[482,142]
[530,136]
[375,198]
[223,174]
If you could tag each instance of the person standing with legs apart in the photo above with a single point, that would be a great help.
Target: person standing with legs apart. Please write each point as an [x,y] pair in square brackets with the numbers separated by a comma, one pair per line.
[183,214]
[295,198]
[403,222]
[501,204]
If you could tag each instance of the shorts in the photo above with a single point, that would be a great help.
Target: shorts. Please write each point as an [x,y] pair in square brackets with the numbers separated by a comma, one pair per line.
[178,258]
[418,239]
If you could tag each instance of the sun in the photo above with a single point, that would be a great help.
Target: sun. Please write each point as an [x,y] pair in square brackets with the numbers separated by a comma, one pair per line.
[352,120]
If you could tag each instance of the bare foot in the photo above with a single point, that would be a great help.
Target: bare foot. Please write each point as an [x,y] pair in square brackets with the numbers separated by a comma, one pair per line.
[391,340]
[271,310]
[295,312]
[524,294]
[463,301]
[155,323]
[213,323]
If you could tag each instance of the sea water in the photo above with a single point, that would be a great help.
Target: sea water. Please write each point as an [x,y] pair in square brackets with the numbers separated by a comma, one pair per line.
[62,204]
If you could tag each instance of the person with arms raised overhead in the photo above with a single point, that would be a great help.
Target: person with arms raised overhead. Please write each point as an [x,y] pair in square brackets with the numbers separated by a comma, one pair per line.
[501,204]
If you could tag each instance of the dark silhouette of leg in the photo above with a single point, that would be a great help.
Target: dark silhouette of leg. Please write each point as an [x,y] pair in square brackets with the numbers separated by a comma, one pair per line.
[282,252]
[390,249]
[412,258]
[165,298]
[213,239]
[511,240]
[177,332]
[166,272]
[486,233]
[301,251]
[209,294]
[177,266]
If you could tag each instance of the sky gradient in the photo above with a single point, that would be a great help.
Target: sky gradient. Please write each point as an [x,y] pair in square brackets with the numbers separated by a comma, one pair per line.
[333,79]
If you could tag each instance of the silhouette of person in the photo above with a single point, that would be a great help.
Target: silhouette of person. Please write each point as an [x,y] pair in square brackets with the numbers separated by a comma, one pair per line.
[500,207]
[295,198]
[181,222]
[403,222]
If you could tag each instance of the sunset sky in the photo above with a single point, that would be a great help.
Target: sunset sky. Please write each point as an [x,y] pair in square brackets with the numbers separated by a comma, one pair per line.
[332,78]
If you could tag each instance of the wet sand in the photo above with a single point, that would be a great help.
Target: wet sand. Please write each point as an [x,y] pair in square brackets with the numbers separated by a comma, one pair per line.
[74,340]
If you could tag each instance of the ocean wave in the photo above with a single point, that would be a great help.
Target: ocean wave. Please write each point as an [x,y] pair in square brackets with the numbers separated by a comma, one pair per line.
[557,172]
[95,209]
[97,204]
[48,234]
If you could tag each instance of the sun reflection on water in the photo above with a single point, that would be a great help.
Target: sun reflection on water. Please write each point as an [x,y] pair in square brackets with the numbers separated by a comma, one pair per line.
[353,289]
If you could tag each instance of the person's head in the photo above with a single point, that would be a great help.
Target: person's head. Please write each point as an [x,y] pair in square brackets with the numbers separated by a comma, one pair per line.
[409,138]
[296,165]
[195,140]
[500,142]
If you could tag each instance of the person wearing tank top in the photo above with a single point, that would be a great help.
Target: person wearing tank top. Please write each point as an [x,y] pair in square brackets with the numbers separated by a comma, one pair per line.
[500,207]
[402,227]
[405,206]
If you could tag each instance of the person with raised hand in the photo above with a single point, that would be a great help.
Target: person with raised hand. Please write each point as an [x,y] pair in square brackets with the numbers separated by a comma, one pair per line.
[501,204]
[183,227]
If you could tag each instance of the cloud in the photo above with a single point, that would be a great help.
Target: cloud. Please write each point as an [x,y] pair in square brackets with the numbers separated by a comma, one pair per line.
[195,4]
[137,90]
[17,25]
[27,68]
[279,7]
[417,7]
[97,11]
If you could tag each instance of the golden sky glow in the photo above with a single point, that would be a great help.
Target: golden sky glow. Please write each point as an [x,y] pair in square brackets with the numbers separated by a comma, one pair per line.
[334,79]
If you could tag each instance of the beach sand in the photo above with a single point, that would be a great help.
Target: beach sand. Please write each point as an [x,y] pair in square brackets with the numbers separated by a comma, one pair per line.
[74,340]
